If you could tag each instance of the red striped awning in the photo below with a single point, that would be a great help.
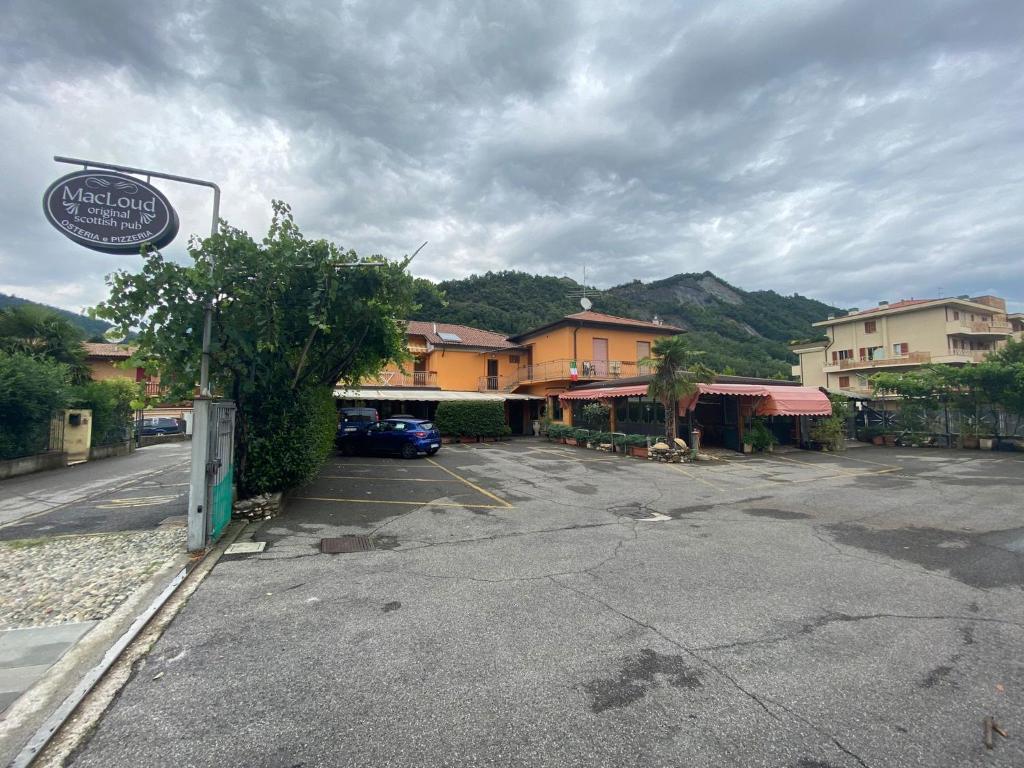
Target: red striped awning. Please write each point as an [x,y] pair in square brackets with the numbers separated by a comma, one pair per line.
[794,401]
[605,393]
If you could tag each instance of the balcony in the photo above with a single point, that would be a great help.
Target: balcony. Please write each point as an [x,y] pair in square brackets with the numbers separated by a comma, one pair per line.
[496,383]
[961,327]
[964,356]
[399,379]
[911,358]
[587,370]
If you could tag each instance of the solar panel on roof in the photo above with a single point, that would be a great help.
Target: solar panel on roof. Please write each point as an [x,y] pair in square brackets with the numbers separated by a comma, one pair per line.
[446,336]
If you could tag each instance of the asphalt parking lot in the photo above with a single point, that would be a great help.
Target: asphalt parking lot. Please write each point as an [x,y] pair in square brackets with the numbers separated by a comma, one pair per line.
[531,604]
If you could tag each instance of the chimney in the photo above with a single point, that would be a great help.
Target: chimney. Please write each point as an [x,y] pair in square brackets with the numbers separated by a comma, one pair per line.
[656,320]
[831,317]
[435,329]
[883,303]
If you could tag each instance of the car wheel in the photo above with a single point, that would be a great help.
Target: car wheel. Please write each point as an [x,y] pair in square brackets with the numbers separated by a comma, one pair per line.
[409,451]
[432,451]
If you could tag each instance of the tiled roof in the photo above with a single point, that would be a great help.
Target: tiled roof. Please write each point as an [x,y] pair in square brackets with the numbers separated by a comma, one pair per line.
[599,317]
[470,337]
[895,305]
[94,349]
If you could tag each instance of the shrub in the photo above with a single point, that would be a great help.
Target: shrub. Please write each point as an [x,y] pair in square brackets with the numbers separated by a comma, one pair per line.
[31,389]
[759,436]
[581,434]
[595,416]
[287,439]
[558,431]
[471,419]
[112,403]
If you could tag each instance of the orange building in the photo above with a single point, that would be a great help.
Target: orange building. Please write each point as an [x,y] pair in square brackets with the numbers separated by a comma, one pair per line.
[527,371]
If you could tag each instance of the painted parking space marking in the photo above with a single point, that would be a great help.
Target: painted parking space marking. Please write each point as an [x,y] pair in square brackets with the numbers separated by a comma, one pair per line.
[405,503]
[474,486]
[378,477]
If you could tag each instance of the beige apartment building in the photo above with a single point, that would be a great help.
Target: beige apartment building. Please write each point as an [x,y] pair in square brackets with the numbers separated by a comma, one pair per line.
[902,336]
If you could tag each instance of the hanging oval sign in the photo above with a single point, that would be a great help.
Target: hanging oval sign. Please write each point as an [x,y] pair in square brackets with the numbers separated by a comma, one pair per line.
[110,212]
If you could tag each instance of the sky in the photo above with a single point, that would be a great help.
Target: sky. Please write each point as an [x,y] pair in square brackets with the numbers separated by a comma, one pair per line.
[848,151]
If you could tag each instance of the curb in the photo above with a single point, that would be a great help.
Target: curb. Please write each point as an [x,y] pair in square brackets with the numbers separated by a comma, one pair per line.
[81,711]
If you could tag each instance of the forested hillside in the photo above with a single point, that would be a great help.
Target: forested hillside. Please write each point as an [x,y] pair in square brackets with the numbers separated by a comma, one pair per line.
[89,326]
[743,332]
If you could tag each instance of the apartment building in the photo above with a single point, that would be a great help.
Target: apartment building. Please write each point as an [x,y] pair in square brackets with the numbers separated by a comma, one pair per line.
[901,336]
[526,371]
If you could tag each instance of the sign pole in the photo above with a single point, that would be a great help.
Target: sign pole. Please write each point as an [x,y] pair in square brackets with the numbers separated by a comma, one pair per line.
[198,503]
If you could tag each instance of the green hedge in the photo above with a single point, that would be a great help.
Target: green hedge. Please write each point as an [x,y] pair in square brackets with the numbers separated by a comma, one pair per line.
[471,419]
[31,389]
[288,440]
[111,403]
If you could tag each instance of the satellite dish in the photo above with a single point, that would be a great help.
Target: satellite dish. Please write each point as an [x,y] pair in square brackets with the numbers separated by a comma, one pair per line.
[114,335]
[586,303]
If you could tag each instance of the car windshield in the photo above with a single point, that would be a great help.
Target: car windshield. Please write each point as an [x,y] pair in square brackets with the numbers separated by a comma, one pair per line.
[361,418]
[425,425]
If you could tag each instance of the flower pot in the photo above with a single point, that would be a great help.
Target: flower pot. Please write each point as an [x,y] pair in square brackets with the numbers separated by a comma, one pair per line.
[448,440]
[986,443]
[748,448]
[969,441]
[569,440]
[878,440]
[890,440]
[639,451]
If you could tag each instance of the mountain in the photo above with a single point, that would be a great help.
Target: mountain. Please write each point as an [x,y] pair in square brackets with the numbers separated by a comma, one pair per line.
[89,326]
[742,332]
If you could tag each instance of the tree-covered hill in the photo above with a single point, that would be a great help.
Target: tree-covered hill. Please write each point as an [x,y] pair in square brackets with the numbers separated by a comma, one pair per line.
[745,332]
[89,326]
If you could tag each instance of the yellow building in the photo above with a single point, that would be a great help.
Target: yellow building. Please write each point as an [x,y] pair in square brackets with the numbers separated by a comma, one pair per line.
[900,337]
[527,371]
[599,347]
[1016,321]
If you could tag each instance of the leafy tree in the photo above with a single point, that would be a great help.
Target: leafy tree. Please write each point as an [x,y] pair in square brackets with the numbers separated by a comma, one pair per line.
[113,403]
[676,376]
[31,389]
[35,330]
[290,315]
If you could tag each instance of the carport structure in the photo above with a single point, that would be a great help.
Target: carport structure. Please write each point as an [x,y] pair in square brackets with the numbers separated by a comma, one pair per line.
[724,409]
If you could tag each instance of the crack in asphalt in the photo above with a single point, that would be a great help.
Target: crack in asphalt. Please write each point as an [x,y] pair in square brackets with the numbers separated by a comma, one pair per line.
[693,652]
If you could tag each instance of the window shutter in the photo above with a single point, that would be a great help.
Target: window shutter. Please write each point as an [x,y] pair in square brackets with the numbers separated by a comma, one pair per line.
[904,348]
[835,356]
[863,353]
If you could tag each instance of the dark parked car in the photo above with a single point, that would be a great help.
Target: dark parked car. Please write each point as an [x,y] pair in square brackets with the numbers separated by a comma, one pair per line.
[161,425]
[407,437]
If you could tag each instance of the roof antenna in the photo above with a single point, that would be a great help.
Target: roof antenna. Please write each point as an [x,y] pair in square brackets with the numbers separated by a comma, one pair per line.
[582,294]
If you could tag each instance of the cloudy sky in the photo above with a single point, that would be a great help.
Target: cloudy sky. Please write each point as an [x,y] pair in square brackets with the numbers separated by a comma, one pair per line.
[849,151]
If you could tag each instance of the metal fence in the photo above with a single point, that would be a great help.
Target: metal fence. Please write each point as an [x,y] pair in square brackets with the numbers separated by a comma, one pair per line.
[910,416]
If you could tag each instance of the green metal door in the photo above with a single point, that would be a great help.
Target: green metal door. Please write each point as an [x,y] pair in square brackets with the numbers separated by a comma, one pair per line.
[220,467]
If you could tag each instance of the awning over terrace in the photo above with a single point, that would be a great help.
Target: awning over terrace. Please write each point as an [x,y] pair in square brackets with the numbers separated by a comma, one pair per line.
[604,392]
[772,400]
[425,395]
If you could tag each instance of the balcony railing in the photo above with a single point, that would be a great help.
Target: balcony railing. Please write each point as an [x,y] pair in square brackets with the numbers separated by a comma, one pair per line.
[399,379]
[496,383]
[982,327]
[911,358]
[968,355]
[588,370]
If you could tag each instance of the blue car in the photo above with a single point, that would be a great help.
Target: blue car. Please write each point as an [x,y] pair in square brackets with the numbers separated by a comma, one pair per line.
[407,437]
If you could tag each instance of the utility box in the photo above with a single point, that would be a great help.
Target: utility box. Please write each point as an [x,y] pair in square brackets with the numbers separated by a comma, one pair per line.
[77,434]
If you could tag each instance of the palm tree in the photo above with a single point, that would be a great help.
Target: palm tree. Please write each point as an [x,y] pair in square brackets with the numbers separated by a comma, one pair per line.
[676,376]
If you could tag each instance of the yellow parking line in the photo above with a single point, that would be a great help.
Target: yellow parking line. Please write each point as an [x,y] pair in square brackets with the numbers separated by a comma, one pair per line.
[406,503]
[475,487]
[696,477]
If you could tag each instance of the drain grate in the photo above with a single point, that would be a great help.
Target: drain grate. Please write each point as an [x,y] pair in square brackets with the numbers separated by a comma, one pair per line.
[343,544]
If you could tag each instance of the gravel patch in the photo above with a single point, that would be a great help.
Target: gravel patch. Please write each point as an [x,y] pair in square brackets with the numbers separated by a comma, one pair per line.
[78,578]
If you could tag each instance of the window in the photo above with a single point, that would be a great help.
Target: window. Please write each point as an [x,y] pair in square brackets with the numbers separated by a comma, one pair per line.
[900,349]
[844,382]
[621,409]
[843,354]
[513,359]
[876,353]
[956,315]
[446,336]
[555,407]
[643,350]
[869,326]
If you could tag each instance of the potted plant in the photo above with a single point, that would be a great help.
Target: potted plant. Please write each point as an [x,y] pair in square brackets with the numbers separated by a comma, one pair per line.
[637,445]
[761,438]
[581,436]
[969,435]
[986,443]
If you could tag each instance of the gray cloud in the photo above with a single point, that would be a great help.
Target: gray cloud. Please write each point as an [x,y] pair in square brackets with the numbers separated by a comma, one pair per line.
[850,151]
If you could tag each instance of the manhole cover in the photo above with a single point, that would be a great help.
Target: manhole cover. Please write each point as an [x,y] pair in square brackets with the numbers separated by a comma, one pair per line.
[246,548]
[342,544]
